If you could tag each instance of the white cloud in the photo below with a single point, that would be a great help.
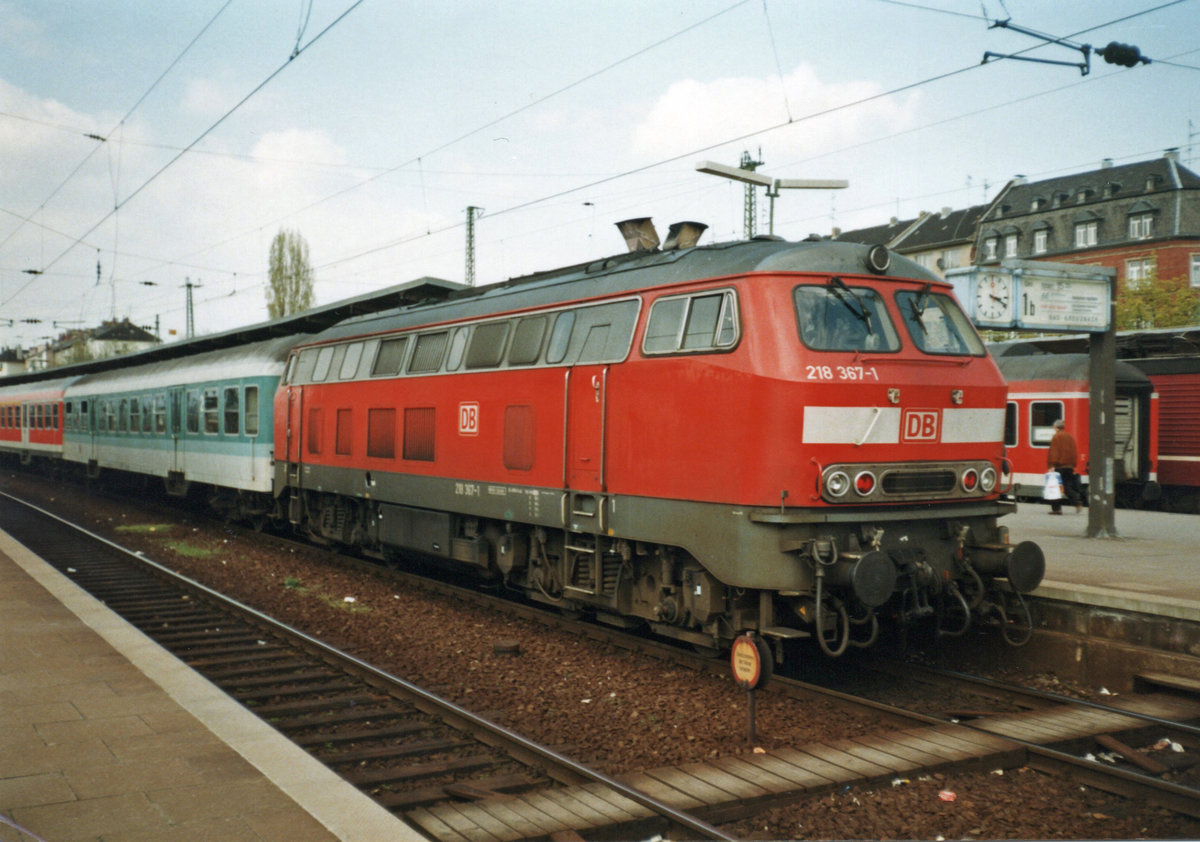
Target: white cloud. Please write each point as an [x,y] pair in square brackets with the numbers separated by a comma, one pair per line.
[695,115]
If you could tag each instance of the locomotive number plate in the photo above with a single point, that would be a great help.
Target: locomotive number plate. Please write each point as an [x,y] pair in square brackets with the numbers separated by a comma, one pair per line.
[841,372]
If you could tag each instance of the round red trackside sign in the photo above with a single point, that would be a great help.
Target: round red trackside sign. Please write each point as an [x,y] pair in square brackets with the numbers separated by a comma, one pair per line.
[746,662]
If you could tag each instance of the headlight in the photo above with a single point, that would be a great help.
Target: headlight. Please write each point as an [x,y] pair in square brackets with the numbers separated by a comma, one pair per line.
[987,480]
[837,484]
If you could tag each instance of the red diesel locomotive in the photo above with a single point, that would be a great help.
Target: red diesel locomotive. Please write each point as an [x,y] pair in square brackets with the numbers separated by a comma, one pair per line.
[798,439]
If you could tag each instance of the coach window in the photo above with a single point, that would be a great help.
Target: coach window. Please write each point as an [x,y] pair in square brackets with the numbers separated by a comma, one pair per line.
[212,411]
[1010,424]
[135,415]
[1042,415]
[487,345]
[390,358]
[458,348]
[835,317]
[560,337]
[232,411]
[123,416]
[193,412]
[110,408]
[160,414]
[527,341]
[349,366]
[324,360]
[936,325]
[251,401]
[427,357]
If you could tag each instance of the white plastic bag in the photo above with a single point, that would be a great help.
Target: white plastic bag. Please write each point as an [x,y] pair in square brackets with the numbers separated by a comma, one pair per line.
[1053,488]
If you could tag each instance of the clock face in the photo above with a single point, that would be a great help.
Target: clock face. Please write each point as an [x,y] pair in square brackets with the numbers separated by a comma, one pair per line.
[993,298]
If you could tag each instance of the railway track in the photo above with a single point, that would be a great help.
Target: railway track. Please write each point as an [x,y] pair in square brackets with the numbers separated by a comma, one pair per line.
[739,786]
[403,746]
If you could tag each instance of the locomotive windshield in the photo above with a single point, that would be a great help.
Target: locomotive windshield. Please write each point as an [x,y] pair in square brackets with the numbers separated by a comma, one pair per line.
[835,317]
[937,325]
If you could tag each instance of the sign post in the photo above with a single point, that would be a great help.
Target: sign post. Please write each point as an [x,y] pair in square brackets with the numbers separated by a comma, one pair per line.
[1039,295]
[750,660]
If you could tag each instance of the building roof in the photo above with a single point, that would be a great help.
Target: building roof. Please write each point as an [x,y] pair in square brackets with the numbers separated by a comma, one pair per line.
[122,331]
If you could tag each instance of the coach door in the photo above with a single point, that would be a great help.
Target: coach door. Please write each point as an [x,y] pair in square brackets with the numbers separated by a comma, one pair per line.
[176,422]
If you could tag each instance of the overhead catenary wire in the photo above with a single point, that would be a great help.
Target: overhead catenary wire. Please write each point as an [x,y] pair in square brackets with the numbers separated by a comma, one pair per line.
[153,177]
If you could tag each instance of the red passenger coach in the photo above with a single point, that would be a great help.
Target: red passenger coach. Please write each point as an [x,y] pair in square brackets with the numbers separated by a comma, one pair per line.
[31,420]
[798,439]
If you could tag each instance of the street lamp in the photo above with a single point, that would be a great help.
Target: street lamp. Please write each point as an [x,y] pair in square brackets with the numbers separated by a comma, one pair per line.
[773,185]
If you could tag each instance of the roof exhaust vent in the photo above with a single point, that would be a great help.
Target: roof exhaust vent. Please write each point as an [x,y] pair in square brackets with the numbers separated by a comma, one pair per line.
[684,235]
[639,234]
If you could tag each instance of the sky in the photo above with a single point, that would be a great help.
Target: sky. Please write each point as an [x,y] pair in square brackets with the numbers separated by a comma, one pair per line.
[145,146]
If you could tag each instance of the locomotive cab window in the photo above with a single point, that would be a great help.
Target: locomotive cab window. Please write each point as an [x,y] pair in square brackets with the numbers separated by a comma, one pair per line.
[937,325]
[1042,415]
[835,317]
[692,323]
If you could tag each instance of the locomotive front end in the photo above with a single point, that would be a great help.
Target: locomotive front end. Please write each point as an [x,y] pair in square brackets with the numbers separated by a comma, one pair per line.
[901,448]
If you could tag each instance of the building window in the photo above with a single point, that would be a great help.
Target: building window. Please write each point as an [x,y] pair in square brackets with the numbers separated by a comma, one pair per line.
[989,248]
[1141,226]
[1010,245]
[1138,272]
[1087,234]
[1041,241]
[1194,270]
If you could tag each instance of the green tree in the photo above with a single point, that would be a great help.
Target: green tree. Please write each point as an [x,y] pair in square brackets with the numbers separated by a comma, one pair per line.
[290,282]
[1155,303]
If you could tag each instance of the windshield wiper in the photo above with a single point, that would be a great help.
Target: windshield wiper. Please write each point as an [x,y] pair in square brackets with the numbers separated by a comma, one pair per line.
[838,287]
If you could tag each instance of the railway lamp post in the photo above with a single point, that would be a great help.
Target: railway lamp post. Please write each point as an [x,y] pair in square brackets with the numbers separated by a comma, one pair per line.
[773,185]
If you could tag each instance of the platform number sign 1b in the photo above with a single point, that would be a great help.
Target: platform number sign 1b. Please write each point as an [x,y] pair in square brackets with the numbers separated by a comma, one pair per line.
[468,419]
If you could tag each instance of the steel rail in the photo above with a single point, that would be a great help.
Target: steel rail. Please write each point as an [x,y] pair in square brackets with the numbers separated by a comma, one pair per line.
[385,680]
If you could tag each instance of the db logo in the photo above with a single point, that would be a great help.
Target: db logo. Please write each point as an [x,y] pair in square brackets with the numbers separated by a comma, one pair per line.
[919,425]
[468,419]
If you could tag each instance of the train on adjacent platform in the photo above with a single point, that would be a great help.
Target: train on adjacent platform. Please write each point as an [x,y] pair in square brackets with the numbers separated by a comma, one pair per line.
[1157,454]
[802,440]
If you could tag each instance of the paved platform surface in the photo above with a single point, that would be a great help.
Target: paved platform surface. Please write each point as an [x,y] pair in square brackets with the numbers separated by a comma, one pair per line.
[1152,566]
[106,736]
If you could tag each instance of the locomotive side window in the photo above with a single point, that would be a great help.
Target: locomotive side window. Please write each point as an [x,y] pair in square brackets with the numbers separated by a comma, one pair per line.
[349,366]
[1010,424]
[560,337]
[427,357]
[458,346]
[324,361]
[487,345]
[834,317]
[1042,415]
[937,325]
[390,357]
[704,322]
[527,341]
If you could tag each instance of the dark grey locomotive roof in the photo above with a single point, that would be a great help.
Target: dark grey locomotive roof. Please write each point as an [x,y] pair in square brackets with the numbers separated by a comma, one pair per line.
[631,272]
[1064,367]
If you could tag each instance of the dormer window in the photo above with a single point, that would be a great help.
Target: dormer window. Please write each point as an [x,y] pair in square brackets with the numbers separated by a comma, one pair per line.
[990,245]
[1087,233]
[1141,226]
[1037,204]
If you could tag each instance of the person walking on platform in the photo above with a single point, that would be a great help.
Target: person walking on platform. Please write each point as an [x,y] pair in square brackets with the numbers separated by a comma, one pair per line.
[1062,457]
